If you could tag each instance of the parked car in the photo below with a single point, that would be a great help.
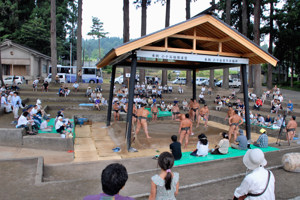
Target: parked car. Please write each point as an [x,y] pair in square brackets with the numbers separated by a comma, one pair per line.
[18,80]
[119,80]
[232,83]
[62,78]
[180,80]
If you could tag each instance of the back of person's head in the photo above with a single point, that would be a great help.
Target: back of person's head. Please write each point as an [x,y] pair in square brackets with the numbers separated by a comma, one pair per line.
[166,162]
[294,117]
[113,178]
[236,112]
[225,135]
[25,114]
[203,139]
[187,115]
[174,138]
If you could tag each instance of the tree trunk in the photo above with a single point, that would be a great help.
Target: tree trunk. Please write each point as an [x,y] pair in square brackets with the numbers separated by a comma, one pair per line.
[257,69]
[292,68]
[79,40]
[270,67]
[228,21]
[212,78]
[143,32]
[99,49]
[53,40]
[187,9]
[188,16]
[167,23]
[125,34]
[245,32]
[1,70]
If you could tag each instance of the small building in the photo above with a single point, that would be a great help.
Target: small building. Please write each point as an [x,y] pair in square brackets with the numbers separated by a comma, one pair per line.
[22,61]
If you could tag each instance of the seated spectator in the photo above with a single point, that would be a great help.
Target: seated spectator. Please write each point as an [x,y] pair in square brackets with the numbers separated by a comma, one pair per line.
[113,179]
[76,86]
[268,121]
[264,97]
[217,99]
[170,89]
[88,91]
[23,122]
[92,97]
[159,94]
[280,97]
[209,91]
[261,119]
[203,88]
[185,105]
[169,107]
[258,181]
[241,142]
[66,91]
[202,146]
[5,104]
[61,91]
[175,148]
[163,106]
[219,106]
[232,94]
[201,100]
[45,86]
[97,103]
[180,89]
[290,107]
[150,101]
[262,141]
[60,126]
[166,89]
[222,147]
[277,122]
[258,104]
[252,96]
[44,126]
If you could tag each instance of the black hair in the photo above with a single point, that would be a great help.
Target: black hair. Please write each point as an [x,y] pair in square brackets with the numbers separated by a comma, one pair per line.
[187,115]
[203,139]
[294,117]
[16,93]
[25,114]
[113,178]
[236,112]
[174,138]
[166,161]
[225,135]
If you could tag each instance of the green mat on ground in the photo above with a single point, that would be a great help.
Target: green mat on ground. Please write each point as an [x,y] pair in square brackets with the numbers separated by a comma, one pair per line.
[51,123]
[188,159]
[160,113]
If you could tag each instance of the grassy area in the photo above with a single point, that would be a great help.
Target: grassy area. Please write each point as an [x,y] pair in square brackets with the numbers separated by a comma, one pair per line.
[295,88]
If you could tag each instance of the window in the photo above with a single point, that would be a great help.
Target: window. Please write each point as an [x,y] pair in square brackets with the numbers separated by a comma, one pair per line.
[88,71]
[44,69]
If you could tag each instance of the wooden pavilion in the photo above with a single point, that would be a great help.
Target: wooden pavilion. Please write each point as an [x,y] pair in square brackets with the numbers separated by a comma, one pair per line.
[200,43]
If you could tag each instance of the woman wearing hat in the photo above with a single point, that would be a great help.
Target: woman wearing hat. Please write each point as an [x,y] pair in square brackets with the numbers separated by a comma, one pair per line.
[259,183]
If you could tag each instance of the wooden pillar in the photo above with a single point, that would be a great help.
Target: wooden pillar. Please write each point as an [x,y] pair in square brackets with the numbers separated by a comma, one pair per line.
[246,101]
[111,95]
[130,98]
[194,84]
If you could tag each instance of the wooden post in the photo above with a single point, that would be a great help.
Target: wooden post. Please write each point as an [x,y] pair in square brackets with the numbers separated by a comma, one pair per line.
[246,101]
[111,94]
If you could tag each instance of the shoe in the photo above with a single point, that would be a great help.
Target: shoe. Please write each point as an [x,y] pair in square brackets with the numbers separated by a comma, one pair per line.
[132,150]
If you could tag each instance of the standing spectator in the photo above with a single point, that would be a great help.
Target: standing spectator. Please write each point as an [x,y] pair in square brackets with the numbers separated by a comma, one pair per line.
[240,142]
[201,96]
[290,107]
[35,84]
[264,97]
[259,183]
[203,89]
[262,141]
[166,184]
[16,103]
[209,91]
[113,179]
[76,86]
[222,147]
[180,90]
[176,148]
[79,74]
[156,80]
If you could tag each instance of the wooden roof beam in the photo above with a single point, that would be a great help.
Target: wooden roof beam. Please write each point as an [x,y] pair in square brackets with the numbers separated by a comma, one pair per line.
[191,37]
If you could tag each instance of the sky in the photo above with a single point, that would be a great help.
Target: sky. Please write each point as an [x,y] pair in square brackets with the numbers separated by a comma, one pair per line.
[110,12]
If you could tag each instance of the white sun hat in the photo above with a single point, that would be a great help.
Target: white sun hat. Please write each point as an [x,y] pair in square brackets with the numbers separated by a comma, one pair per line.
[254,158]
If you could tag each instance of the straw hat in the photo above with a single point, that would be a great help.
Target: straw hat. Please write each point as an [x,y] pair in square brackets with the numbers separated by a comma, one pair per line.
[254,158]
[262,130]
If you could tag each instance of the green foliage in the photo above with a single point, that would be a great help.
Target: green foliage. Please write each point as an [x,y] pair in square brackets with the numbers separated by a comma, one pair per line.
[97,30]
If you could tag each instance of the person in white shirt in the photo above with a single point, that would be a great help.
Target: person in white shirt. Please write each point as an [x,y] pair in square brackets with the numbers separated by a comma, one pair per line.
[23,122]
[202,146]
[35,84]
[59,125]
[160,87]
[180,90]
[44,125]
[201,100]
[4,104]
[166,89]
[16,103]
[170,89]
[203,89]
[185,105]
[259,183]
[280,98]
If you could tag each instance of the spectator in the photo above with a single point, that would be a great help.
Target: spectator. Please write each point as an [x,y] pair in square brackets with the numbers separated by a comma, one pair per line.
[241,141]
[259,183]
[219,106]
[201,96]
[60,126]
[35,84]
[209,91]
[180,90]
[45,86]
[5,104]
[278,122]
[166,184]
[76,86]
[79,75]
[44,125]
[16,104]
[222,147]
[88,91]
[23,122]
[97,103]
[203,89]
[170,89]
[113,179]
[233,94]
[61,91]
[166,89]
[268,121]
[264,97]
[258,104]
[202,146]
[156,80]
[262,141]
[66,91]
[290,107]
[185,105]
[175,148]
[92,97]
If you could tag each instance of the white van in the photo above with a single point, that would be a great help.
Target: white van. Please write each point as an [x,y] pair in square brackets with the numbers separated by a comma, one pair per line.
[62,78]
[201,80]
[180,80]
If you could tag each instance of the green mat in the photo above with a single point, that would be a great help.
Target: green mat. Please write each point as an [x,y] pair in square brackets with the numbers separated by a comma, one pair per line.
[188,159]
[51,123]
[160,113]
